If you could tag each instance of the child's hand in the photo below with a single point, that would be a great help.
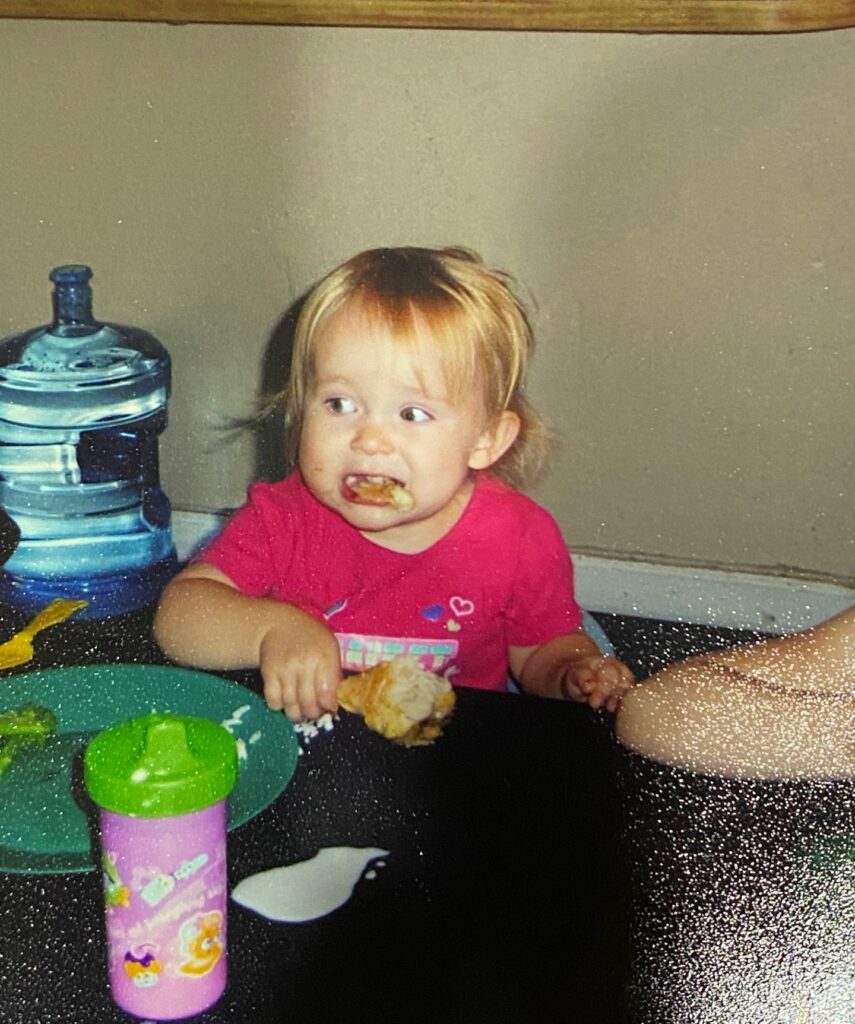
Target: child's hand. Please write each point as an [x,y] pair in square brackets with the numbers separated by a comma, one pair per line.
[301,679]
[599,679]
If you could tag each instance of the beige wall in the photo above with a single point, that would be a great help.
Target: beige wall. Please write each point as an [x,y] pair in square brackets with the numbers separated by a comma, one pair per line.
[681,208]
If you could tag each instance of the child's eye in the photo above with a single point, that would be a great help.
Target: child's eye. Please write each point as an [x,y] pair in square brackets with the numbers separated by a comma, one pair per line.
[340,405]
[413,414]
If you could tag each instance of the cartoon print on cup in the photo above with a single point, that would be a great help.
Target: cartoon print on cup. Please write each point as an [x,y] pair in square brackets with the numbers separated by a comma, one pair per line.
[115,893]
[143,968]
[200,938]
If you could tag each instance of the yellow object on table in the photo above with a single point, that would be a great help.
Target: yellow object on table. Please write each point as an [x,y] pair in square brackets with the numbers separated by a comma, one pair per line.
[18,649]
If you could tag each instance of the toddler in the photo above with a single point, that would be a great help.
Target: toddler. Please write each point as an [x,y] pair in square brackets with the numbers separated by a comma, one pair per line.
[401,531]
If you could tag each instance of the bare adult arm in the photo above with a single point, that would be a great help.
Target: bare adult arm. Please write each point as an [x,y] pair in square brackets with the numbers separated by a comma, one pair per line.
[783,708]
[818,659]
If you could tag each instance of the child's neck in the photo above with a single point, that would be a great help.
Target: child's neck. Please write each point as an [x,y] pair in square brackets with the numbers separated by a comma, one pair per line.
[418,535]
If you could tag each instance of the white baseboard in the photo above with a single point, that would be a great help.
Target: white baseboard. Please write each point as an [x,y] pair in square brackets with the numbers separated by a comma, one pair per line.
[710,597]
[190,530]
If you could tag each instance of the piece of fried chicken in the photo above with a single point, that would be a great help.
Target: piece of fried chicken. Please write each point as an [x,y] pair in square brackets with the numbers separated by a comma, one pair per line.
[400,700]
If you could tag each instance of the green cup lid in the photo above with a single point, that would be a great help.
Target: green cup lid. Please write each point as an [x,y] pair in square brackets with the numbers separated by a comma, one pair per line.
[160,765]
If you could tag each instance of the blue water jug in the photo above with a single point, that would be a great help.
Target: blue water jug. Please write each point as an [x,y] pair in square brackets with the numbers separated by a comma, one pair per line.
[82,405]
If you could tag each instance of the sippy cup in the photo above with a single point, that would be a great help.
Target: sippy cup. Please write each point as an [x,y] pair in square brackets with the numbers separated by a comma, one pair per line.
[161,782]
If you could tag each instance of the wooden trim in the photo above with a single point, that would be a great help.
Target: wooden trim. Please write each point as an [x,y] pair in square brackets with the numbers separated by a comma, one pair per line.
[695,16]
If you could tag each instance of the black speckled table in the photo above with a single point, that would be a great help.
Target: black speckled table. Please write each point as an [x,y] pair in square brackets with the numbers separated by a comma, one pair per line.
[537,873]
[504,897]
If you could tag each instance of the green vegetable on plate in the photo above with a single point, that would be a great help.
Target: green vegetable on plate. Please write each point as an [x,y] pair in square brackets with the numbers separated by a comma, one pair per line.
[25,726]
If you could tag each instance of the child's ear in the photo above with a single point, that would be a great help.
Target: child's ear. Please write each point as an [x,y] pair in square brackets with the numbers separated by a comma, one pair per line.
[495,441]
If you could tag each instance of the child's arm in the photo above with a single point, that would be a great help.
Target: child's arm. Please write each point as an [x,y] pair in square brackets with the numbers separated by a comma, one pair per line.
[203,620]
[571,667]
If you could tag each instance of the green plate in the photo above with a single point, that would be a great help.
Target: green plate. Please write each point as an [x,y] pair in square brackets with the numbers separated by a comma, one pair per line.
[44,823]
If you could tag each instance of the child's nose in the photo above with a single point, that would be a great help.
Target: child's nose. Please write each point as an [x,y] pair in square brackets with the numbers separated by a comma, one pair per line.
[372,439]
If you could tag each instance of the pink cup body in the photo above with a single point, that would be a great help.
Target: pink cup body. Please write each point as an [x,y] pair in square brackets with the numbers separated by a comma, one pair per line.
[165,890]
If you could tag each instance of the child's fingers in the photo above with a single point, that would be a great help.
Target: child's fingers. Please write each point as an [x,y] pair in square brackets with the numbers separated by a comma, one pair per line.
[277,693]
[615,675]
[596,675]
[614,670]
[613,701]
[327,694]
[586,682]
[303,685]
[604,696]
[570,687]
[313,693]
[613,694]
[627,677]
[600,680]
[597,699]
[581,681]
[284,691]
[610,680]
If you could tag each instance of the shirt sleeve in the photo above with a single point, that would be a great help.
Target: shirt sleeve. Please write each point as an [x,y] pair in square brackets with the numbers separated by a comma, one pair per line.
[543,603]
[243,550]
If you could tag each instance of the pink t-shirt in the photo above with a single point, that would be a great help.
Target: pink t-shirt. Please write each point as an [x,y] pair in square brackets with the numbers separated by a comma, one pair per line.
[500,577]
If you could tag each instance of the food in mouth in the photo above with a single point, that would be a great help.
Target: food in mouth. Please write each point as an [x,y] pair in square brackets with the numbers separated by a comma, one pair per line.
[399,699]
[381,490]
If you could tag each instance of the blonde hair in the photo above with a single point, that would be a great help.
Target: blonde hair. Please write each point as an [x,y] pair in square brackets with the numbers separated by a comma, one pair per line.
[467,309]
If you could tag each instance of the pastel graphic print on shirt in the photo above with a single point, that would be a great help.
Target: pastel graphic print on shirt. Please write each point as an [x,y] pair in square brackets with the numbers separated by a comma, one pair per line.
[360,652]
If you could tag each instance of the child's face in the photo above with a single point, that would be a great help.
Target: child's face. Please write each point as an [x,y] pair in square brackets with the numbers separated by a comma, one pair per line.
[378,407]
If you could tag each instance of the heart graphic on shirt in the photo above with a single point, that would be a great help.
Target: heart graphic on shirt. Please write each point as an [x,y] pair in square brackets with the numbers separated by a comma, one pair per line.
[334,608]
[452,626]
[461,606]
[433,613]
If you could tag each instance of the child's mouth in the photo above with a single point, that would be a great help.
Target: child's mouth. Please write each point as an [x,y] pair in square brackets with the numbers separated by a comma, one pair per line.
[374,489]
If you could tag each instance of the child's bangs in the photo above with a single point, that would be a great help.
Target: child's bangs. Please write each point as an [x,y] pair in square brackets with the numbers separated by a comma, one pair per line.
[436,324]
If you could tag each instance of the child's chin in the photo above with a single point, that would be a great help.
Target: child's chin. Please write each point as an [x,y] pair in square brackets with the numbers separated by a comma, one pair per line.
[367,516]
